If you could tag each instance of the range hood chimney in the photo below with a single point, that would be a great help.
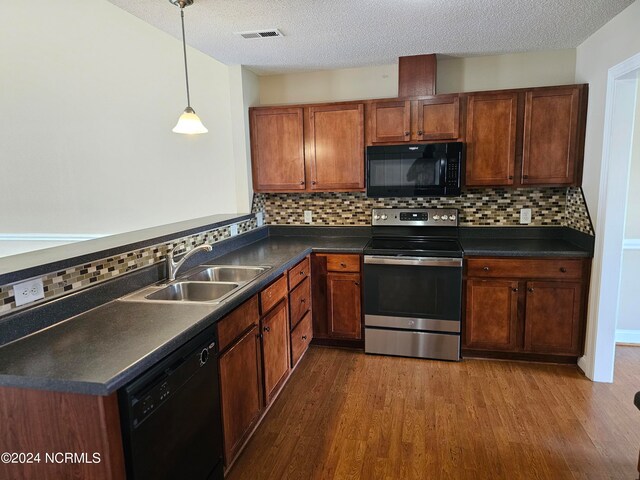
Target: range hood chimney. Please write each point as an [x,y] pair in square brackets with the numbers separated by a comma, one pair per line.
[417,75]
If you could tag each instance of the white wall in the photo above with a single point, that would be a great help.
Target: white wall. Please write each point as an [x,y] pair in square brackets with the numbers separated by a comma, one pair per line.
[89,95]
[555,67]
[616,41]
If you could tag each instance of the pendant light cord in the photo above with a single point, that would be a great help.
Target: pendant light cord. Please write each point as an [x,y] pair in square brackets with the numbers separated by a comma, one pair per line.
[184,50]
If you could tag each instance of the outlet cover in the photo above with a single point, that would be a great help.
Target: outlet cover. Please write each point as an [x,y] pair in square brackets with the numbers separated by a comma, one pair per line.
[308,216]
[260,218]
[525,216]
[29,291]
[234,229]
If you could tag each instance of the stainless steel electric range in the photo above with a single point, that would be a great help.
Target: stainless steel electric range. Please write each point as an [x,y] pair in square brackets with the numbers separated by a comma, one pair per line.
[413,284]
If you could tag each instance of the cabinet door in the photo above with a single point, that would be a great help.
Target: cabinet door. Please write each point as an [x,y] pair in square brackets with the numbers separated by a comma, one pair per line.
[491,315]
[550,136]
[552,318]
[240,391]
[344,305]
[491,139]
[335,147]
[277,149]
[275,348]
[438,118]
[390,121]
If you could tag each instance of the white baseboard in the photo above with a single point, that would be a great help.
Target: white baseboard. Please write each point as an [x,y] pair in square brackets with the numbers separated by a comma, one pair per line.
[628,336]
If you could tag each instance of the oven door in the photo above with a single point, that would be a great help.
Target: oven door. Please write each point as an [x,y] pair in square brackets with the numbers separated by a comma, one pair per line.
[418,293]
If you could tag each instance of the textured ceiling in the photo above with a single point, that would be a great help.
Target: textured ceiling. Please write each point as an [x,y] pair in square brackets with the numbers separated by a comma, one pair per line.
[351,33]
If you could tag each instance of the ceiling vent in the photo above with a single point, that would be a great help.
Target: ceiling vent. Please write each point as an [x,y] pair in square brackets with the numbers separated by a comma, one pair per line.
[272,32]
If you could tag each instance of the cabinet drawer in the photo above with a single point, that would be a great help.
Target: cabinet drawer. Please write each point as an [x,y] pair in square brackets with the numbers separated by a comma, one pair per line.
[343,263]
[300,301]
[271,295]
[300,338]
[298,273]
[524,268]
[234,324]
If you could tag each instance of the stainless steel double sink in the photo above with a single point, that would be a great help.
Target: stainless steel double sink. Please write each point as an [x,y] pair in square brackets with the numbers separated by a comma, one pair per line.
[207,284]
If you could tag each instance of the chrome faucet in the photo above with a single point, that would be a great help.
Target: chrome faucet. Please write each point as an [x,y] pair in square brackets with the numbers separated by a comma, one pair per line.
[173,267]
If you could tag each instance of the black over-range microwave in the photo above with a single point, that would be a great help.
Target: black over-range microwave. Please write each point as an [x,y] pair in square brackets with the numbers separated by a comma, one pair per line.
[422,170]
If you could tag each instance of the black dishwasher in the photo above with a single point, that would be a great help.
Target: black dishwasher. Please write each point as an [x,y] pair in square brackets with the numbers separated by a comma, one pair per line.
[170,416]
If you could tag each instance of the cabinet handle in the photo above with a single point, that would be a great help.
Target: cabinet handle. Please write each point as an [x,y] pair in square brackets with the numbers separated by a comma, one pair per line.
[420,132]
[303,300]
[343,265]
[267,329]
[304,337]
[301,272]
[486,269]
[302,182]
[357,284]
[313,182]
[515,289]
[563,270]
[406,134]
[530,290]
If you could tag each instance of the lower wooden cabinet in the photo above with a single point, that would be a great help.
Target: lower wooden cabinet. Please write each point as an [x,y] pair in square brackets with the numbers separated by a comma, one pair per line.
[240,390]
[532,306]
[337,298]
[301,336]
[275,349]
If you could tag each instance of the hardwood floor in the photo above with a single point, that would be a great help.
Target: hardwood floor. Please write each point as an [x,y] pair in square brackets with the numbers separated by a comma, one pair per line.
[347,415]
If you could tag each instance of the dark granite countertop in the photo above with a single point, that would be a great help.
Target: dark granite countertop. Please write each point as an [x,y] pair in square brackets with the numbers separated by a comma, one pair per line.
[101,350]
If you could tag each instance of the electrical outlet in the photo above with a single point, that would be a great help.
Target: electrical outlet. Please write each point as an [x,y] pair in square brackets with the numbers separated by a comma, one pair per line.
[260,218]
[234,229]
[525,216]
[29,291]
[308,216]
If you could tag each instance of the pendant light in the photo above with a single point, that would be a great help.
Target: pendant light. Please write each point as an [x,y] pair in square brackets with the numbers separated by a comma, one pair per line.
[188,122]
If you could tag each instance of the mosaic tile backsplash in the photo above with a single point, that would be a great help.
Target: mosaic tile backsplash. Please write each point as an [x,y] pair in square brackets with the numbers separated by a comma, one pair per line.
[59,283]
[477,207]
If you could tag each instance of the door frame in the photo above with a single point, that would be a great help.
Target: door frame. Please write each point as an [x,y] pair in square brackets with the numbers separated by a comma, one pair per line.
[598,362]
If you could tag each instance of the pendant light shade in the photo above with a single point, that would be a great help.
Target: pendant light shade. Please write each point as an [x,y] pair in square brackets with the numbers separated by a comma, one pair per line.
[188,123]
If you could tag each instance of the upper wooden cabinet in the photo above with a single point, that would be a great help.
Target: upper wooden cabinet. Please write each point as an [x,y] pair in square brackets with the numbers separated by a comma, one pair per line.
[491,139]
[335,147]
[277,149]
[526,137]
[314,148]
[432,118]
[550,136]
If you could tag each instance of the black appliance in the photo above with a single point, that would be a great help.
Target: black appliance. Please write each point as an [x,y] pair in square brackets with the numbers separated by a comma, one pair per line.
[424,170]
[170,416]
[413,284]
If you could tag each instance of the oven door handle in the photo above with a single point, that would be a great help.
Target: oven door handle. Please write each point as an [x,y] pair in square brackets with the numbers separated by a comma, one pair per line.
[413,261]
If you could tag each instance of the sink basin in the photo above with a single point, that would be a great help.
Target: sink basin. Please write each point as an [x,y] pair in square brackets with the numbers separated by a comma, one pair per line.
[227,274]
[194,291]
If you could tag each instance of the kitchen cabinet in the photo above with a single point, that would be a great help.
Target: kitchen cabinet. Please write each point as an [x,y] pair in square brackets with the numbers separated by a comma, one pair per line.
[526,137]
[300,309]
[427,119]
[275,349]
[525,306]
[277,149]
[337,299]
[335,147]
[241,391]
[308,148]
[491,139]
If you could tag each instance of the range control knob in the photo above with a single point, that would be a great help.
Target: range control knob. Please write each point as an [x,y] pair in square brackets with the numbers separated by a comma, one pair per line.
[452,217]
[383,217]
[436,217]
[376,217]
[444,217]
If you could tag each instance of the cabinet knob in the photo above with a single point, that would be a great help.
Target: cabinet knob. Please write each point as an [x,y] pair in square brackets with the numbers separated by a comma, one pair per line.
[343,265]
[303,300]
[420,132]
[406,134]
[525,176]
[302,182]
[515,289]
[563,270]
[304,337]
[301,272]
[313,182]
[267,329]
[486,269]
[530,290]
[510,177]
[357,284]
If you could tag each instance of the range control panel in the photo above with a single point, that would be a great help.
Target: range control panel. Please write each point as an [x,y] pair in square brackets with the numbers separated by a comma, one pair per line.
[413,217]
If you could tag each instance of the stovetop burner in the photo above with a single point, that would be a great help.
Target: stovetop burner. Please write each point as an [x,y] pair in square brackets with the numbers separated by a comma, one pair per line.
[415,232]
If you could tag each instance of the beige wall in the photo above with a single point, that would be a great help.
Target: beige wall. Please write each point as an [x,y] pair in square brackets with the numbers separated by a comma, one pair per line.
[556,67]
[89,95]
[632,225]
[629,306]
[615,42]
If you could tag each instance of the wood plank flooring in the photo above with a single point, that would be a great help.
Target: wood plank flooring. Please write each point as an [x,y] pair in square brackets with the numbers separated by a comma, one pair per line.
[347,415]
